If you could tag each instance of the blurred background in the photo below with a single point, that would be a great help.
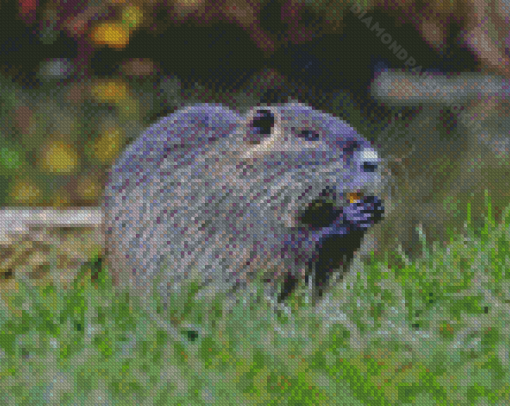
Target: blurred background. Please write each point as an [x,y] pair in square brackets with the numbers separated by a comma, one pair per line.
[80,79]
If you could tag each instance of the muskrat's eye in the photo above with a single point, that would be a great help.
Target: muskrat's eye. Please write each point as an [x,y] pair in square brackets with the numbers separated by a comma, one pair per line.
[308,135]
[350,147]
[260,126]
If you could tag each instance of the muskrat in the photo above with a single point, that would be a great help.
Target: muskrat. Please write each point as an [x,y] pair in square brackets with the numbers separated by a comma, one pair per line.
[285,191]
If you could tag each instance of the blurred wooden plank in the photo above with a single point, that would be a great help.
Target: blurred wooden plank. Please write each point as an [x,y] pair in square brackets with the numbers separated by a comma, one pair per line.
[408,89]
[18,221]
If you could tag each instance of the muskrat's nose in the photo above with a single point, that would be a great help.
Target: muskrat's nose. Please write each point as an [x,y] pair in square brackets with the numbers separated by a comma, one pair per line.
[369,159]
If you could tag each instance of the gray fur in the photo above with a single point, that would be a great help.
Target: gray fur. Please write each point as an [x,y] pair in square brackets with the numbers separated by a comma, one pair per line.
[197,190]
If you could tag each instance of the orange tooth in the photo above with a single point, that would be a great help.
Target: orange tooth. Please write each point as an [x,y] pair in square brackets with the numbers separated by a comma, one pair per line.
[354,197]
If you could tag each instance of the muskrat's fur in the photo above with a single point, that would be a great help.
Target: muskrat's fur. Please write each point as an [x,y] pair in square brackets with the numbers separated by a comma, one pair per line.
[233,196]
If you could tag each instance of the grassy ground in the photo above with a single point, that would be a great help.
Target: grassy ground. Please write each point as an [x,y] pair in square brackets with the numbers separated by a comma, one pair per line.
[432,332]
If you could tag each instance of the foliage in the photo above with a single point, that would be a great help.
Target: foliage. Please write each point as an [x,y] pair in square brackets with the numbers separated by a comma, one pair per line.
[430,332]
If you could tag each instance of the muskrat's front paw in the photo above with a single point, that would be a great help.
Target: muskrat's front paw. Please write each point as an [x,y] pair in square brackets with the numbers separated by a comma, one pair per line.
[364,213]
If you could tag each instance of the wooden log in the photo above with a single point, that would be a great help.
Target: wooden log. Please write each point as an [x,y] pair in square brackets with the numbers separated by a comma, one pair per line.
[409,89]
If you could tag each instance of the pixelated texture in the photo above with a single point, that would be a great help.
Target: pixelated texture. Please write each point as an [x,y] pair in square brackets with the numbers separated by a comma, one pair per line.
[227,195]
[285,191]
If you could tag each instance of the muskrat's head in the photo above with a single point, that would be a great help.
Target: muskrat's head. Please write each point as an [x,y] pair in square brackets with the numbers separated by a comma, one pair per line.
[325,182]
[308,158]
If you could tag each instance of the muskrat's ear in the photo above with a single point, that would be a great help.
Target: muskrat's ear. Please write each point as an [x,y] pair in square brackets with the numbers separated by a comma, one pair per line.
[260,124]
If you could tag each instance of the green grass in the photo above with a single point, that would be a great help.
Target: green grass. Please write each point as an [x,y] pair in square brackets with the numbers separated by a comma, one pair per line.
[430,332]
